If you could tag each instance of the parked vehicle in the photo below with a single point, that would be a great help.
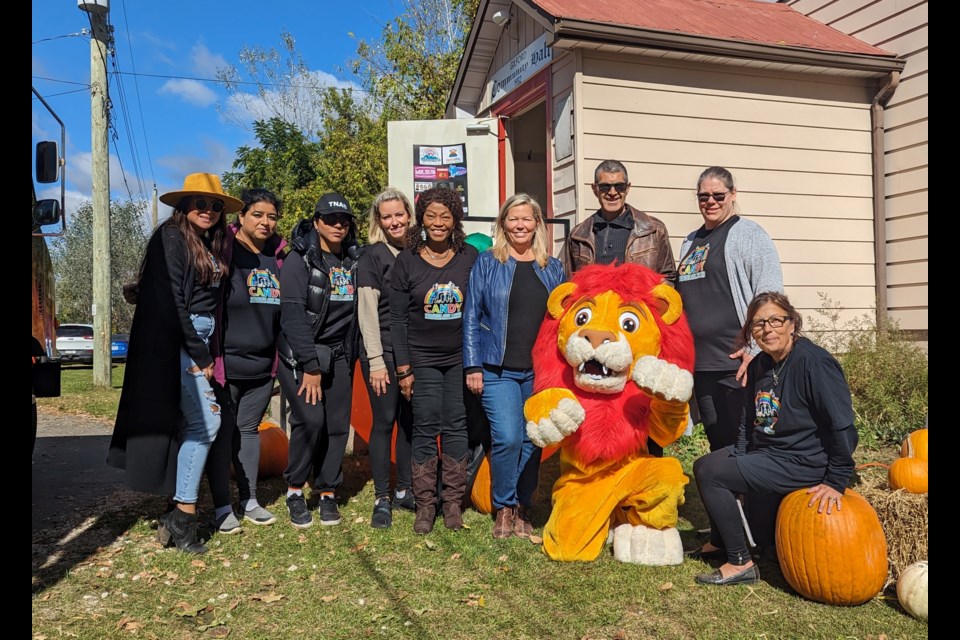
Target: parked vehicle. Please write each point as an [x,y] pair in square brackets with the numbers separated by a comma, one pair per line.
[118,347]
[75,343]
[48,168]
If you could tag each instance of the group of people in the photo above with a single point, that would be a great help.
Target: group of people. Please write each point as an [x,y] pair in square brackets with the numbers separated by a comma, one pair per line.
[431,320]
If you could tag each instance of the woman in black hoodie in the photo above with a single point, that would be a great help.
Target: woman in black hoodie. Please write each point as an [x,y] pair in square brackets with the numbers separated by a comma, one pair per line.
[317,349]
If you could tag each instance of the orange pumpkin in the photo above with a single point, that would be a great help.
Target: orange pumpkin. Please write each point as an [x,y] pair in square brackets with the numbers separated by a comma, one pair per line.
[361,415]
[909,474]
[838,559]
[274,448]
[915,445]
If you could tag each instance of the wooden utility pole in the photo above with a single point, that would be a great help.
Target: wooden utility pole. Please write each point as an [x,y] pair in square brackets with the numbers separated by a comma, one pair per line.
[154,209]
[100,156]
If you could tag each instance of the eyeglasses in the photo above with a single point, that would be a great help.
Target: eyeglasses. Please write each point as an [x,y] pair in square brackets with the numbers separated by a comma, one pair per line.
[604,187]
[719,197]
[256,215]
[201,205]
[775,322]
[331,219]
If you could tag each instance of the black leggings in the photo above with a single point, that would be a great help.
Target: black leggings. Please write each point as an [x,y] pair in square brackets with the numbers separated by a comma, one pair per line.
[719,481]
[720,400]
[387,408]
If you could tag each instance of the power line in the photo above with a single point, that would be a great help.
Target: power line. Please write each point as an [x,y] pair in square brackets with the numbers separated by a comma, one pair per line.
[136,86]
[81,33]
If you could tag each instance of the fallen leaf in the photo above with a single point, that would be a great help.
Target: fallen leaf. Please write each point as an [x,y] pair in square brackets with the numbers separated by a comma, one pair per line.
[233,605]
[186,609]
[200,564]
[329,598]
[267,597]
[430,544]
[535,539]
[666,586]
[502,558]
[455,556]
[219,632]
[360,546]
[359,520]
[620,634]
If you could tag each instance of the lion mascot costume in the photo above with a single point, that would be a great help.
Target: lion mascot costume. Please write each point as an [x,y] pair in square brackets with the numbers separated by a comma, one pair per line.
[612,365]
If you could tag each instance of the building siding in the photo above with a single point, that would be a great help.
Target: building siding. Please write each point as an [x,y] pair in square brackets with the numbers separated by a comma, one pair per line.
[798,146]
[899,26]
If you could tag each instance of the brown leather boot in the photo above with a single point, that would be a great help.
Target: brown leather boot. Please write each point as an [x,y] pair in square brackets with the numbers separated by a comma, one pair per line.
[424,476]
[522,527]
[454,474]
[503,525]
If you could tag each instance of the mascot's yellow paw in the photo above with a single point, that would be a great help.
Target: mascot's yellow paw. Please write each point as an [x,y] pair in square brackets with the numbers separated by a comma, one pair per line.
[647,546]
[552,415]
[662,379]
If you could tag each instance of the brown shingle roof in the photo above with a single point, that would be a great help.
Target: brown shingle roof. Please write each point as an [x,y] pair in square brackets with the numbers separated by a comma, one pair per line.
[747,20]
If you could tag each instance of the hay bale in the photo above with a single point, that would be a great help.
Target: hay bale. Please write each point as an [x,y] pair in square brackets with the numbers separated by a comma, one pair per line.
[903,517]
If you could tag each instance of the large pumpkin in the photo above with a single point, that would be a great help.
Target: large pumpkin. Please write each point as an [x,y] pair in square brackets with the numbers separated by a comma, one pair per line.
[915,445]
[274,448]
[838,559]
[909,474]
[912,590]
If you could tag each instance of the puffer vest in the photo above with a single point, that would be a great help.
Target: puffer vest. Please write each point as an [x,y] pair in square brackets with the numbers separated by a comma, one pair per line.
[306,242]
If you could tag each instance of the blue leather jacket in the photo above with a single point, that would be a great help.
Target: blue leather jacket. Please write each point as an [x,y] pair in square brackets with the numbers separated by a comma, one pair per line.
[487,306]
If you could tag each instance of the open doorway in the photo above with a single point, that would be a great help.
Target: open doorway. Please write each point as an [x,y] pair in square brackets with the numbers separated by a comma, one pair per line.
[527,134]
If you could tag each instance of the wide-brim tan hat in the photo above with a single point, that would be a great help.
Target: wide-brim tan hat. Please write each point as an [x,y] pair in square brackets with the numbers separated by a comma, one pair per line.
[203,184]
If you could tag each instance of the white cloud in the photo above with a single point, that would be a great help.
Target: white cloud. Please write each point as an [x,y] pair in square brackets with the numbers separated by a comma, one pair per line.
[189,91]
[299,103]
[204,62]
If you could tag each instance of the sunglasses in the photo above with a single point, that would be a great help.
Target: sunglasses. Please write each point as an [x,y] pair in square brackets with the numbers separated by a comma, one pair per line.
[718,197]
[331,219]
[604,187]
[201,205]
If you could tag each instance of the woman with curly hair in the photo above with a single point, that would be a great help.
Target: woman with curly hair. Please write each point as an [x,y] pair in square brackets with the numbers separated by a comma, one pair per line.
[428,288]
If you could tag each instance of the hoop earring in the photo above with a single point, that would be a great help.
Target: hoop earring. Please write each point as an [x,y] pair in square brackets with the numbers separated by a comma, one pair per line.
[423,234]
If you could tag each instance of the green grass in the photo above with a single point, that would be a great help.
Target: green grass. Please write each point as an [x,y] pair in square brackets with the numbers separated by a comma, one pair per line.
[78,395]
[110,579]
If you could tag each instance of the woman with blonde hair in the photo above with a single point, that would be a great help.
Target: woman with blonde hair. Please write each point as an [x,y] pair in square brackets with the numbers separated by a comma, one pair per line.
[506,301]
[390,217]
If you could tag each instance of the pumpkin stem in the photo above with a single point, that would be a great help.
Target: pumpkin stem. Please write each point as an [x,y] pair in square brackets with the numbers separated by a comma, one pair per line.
[909,446]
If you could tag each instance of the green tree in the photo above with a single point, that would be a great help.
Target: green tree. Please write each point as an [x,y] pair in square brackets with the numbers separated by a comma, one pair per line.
[72,256]
[285,162]
[407,74]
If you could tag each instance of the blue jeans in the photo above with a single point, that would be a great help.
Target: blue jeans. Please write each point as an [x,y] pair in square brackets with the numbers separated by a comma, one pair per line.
[201,418]
[514,460]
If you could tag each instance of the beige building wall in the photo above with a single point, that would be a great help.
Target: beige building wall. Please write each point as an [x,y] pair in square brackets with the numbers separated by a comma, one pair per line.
[900,27]
[798,146]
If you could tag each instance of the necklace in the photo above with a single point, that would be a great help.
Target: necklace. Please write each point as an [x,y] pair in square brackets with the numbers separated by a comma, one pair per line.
[776,372]
[433,255]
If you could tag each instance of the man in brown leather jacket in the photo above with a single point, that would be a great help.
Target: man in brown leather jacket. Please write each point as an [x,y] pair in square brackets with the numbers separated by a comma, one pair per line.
[617,231]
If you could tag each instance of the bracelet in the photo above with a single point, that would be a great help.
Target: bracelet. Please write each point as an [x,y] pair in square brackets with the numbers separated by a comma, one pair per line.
[403,374]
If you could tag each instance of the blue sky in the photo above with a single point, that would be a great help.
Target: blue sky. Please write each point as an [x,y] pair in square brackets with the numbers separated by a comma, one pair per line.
[171,119]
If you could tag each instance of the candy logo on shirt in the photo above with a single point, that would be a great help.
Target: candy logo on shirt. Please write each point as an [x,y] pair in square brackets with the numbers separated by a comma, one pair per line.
[263,287]
[443,302]
[341,284]
[693,266]
[767,411]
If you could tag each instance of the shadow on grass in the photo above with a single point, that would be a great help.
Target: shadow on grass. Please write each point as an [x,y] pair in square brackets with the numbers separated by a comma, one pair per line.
[79,505]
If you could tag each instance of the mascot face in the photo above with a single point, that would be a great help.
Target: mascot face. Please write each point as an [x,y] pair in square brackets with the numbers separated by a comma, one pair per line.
[602,337]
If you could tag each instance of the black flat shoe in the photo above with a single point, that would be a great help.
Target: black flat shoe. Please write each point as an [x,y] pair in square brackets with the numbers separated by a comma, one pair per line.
[700,554]
[747,576]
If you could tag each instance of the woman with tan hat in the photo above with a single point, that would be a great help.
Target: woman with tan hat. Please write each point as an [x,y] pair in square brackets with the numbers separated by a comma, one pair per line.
[168,415]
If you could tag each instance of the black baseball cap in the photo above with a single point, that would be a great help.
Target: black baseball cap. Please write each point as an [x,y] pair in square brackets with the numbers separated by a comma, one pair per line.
[332,202]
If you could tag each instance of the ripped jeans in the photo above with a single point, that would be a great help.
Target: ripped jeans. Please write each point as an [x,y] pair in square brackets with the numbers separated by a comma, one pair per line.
[201,418]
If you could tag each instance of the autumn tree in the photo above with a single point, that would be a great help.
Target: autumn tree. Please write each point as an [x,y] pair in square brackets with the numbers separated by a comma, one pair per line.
[72,257]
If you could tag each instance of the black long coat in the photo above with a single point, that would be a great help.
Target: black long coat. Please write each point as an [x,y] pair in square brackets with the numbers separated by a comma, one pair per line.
[146,434]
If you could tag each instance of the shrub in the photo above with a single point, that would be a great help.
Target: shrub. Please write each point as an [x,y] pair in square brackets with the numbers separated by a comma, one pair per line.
[887,374]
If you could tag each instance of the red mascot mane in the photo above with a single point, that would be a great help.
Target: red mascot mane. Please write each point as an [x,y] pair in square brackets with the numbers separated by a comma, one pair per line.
[616,424]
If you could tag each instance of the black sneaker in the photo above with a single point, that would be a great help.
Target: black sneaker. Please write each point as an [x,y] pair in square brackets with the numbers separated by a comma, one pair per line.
[382,514]
[329,514]
[406,502]
[299,514]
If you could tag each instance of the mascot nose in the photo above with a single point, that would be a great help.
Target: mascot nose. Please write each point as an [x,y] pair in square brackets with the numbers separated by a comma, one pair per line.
[597,338]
